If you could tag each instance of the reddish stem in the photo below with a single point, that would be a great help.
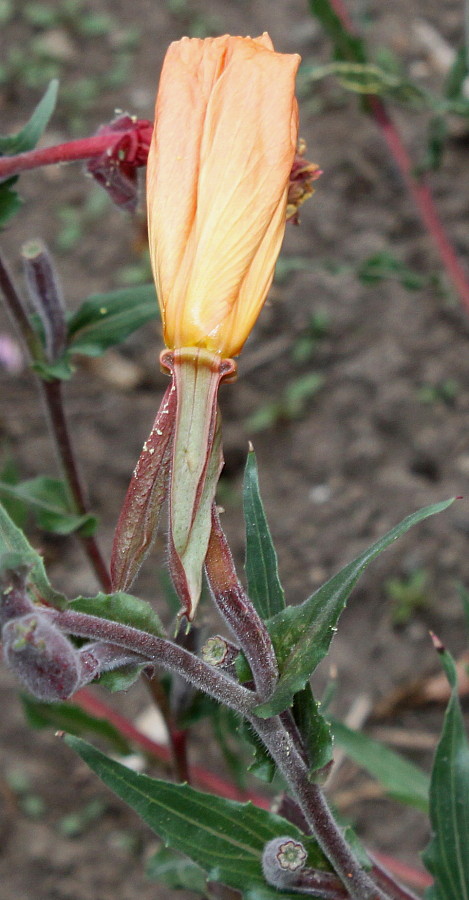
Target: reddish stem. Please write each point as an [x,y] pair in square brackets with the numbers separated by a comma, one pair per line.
[423,197]
[416,877]
[71,151]
[386,880]
[206,780]
[52,393]
[176,736]
[417,186]
[86,700]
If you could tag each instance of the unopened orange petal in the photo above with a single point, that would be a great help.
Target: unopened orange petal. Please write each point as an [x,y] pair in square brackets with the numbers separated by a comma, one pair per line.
[219,166]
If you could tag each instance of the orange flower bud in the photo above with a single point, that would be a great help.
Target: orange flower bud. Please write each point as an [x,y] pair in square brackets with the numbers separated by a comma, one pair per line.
[217,184]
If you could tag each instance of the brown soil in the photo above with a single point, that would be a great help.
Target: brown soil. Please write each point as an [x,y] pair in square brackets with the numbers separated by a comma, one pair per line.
[379,439]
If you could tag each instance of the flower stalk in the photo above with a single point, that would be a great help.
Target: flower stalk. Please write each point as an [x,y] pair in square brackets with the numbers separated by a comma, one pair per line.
[51,393]
[83,148]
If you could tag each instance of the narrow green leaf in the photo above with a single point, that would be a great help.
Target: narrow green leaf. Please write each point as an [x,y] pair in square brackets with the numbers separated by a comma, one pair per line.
[48,499]
[10,202]
[400,778]
[15,508]
[264,586]
[315,731]
[302,634]
[27,138]
[226,732]
[385,265]
[122,608]
[346,46]
[104,320]
[121,679]
[447,857]
[436,138]
[264,892]
[367,78]
[457,75]
[62,369]
[12,540]
[464,598]
[262,765]
[176,871]
[223,837]
[68,717]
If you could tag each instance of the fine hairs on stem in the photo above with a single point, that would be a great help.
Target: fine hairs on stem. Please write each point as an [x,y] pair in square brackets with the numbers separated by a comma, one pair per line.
[271,731]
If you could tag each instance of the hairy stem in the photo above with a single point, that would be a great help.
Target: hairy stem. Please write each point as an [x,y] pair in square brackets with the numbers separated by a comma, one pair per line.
[319,884]
[159,650]
[277,740]
[359,884]
[239,612]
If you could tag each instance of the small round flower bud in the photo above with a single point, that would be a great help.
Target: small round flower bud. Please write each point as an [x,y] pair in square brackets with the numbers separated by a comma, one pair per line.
[42,657]
[282,861]
[219,652]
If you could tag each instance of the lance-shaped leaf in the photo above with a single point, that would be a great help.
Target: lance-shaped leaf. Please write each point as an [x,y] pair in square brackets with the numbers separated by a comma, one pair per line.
[71,718]
[447,857]
[316,733]
[400,778]
[196,466]
[264,586]
[138,520]
[347,46]
[26,139]
[176,871]
[224,838]
[302,634]
[13,541]
[49,500]
[122,608]
[104,320]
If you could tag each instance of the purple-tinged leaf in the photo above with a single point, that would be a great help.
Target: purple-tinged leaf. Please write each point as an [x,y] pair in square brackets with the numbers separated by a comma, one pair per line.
[138,521]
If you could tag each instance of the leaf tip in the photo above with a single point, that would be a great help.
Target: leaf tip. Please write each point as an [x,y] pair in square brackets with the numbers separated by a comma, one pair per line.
[438,645]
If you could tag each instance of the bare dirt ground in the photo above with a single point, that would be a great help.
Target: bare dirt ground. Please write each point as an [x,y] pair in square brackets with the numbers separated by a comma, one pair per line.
[385,434]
